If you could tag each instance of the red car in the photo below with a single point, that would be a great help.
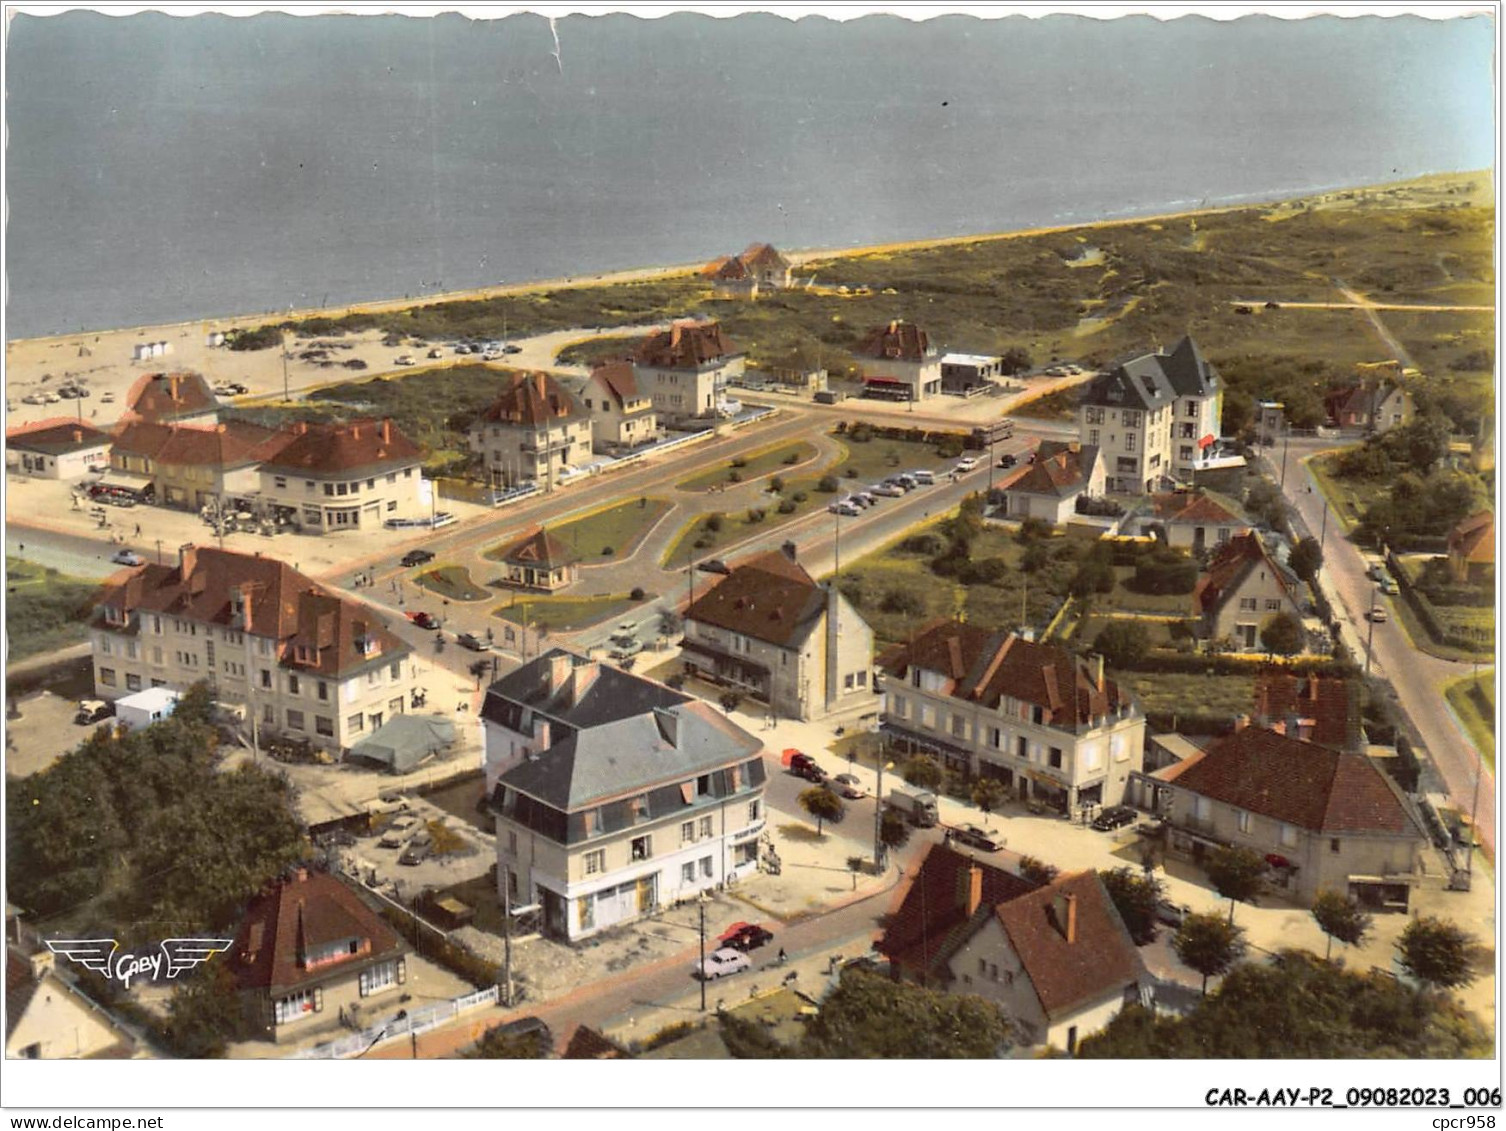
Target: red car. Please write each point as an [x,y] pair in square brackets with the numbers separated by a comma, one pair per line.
[745,936]
[424,620]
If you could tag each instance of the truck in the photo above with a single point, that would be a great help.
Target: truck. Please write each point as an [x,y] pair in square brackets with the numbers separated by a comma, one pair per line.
[917,805]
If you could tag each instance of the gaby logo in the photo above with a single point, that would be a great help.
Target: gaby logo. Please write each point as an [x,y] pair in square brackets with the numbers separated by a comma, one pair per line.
[173,957]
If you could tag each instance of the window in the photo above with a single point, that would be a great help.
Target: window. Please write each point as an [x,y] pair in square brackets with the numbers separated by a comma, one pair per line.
[266,679]
[707,867]
[901,708]
[927,716]
[133,682]
[706,827]
[292,685]
[1129,441]
[329,489]
[687,832]
[156,655]
[1223,534]
[295,719]
[392,504]
[642,847]
[1184,452]
[1248,604]
[1289,836]
[1244,820]
[959,726]
[323,692]
[107,676]
[914,677]
[703,785]
[1022,748]
[324,725]
[1192,408]
[370,483]
[1093,437]
[687,873]
[294,1006]
[378,978]
[1333,845]
[104,646]
[752,811]
[1037,715]
[268,715]
[995,738]
[1055,759]
[279,481]
[1093,415]
[356,722]
[1272,605]
[596,862]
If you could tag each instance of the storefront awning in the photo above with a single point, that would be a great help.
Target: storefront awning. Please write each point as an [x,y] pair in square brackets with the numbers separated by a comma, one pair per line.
[125,480]
[885,381]
[1207,441]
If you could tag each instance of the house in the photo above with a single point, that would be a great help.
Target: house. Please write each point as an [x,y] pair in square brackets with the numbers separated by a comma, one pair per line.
[1324,819]
[541,561]
[193,466]
[58,449]
[532,432]
[306,662]
[1152,416]
[939,909]
[899,363]
[172,398]
[358,475]
[49,1018]
[1372,404]
[587,1043]
[759,267]
[617,796]
[1244,588]
[1472,548]
[686,369]
[771,630]
[1314,708]
[309,955]
[622,416]
[764,262]
[1051,482]
[1058,961]
[143,708]
[1170,749]
[965,373]
[1046,724]
[1196,520]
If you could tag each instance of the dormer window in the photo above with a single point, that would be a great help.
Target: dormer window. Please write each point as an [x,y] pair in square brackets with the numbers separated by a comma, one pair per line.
[367,645]
[303,654]
[115,614]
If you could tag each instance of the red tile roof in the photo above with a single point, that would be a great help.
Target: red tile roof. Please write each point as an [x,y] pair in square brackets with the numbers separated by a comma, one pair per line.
[56,437]
[358,446]
[1300,783]
[932,918]
[769,598]
[532,400]
[540,548]
[1072,943]
[1327,707]
[1198,507]
[1054,469]
[161,397]
[588,1044]
[729,268]
[1230,564]
[297,918]
[339,635]
[1474,538]
[685,345]
[231,444]
[985,666]
[898,341]
[763,257]
[620,383]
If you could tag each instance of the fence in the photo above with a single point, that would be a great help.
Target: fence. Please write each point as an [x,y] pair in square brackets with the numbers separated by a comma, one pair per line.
[412,1022]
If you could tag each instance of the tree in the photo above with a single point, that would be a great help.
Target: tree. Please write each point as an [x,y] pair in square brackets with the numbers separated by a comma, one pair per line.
[205,1014]
[1135,896]
[1306,558]
[1165,571]
[1436,952]
[988,794]
[822,804]
[1122,643]
[1264,501]
[1209,945]
[1340,918]
[1238,875]
[894,830]
[1282,634]
[498,1044]
[923,772]
[827,484]
[871,1017]
[670,622]
[729,701]
[1405,767]
[1038,871]
[1016,359]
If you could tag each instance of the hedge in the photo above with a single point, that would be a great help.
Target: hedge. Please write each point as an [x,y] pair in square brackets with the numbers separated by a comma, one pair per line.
[1159,660]
[1424,609]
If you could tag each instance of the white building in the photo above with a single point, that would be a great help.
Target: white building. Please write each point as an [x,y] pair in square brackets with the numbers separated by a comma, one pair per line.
[59,449]
[899,363]
[686,369]
[143,708]
[352,476]
[531,433]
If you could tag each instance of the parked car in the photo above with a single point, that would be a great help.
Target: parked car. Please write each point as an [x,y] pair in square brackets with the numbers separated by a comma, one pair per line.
[906,480]
[67,392]
[844,509]
[966,463]
[887,490]
[848,786]
[415,854]
[396,833]
[720,963]
[922,476]
[1007,460]
[127,558]
[424,620]
[416,557]
[462,349]
[867,498]
[1377,615]
[1388,585]
[858,501]
[1172,914]
[492,355]
[90,711]
[745,937]
[436,352]
[804,766]
[528,1028]
[713,565]
[472,641]
[512,349]
[404,359]
[1115,817]
[974,837]
[238,389]
[33,398]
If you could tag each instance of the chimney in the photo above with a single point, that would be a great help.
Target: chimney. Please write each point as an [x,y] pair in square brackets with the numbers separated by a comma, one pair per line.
[300,875]
[1098,671]
[974,894]
[172,386]
[246,591]
[559,671]
[1063,913]
[581,679]
[355,431]
[42,962]
[788,550]
[188,557]
[387,431]
[1240,722]
[541,733]
[221,427]
[78,435]
[669,725]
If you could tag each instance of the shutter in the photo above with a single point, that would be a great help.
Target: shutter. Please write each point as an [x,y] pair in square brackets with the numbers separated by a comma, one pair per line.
[318,999]
[402,971]
[737,778]
[687,792]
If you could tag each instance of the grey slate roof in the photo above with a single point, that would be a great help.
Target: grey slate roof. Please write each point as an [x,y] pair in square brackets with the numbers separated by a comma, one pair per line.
[631,755]
[613,695]
[1155,379]
[1190,375]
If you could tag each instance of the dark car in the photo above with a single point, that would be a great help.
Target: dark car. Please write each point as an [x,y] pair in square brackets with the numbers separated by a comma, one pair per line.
[512,349]
[974,837]
[804,766]
[1172,914]
[745,936]
[416,557]
[713,565]
[472,641]
[524,1028]
[1115,817]
[1007,460]
[424,620]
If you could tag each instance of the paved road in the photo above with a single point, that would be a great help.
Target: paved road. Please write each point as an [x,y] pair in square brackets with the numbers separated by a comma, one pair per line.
[1417,677]
[80,557]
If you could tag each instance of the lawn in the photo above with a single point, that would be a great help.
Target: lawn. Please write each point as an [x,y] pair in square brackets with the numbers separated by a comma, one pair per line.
[1180,693]
[1465,621]
[45,610]
[1474,701]
[612,534]
[1088,628]
[595,350]
[1124,599]
[750,467]
[1060,405]
[566,614]
[453,583]
[1349,498]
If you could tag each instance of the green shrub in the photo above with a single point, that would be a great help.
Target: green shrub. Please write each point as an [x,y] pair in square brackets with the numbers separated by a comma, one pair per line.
[734,476]
[776,485]
[851,473]
[739,461]
[904,602]
[828,484]
[786,506]
[637,594]
[791,459]
[800,496]
[714,522]
[757,514]
[1165,572]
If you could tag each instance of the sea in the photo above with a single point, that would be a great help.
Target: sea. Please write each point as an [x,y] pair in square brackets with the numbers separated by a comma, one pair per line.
[165,168]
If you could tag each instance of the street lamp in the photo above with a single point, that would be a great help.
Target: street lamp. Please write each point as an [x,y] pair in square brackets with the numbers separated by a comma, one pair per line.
[878,813]
[701,908]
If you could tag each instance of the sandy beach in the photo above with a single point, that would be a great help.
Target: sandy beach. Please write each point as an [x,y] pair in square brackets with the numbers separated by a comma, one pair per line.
[103,361]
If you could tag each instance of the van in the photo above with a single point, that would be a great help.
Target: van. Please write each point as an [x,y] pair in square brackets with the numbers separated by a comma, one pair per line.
[923,476]
[918,806]
[829,396]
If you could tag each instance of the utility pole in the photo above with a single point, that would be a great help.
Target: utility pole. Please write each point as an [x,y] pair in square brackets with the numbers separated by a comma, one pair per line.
[285,394]
[1474,811]
[701,907]
[1286,439]
[836,567]
[878,814]
[1370,636]
[1323,534]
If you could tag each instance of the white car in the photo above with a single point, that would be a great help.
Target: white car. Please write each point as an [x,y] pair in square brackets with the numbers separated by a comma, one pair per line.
[492,355]
[887,490]
[127,558]
[922,476]
[405,359]
[966,463]
[721,963]
[846,509]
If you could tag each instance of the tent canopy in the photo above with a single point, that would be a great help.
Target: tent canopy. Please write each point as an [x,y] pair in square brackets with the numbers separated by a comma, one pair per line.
[403,742]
